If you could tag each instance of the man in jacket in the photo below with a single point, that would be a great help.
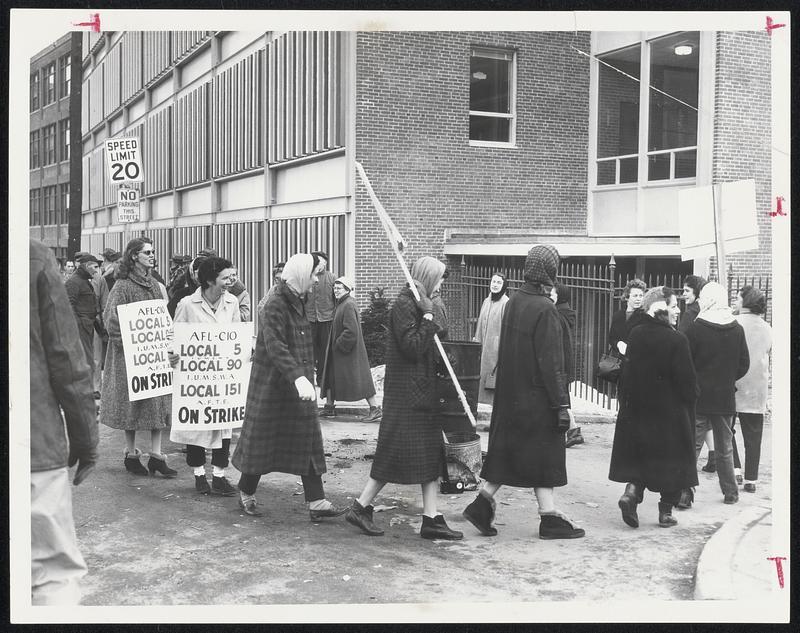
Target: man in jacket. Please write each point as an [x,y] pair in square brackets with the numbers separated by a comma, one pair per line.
[320,307]
[59,382]
[85,304]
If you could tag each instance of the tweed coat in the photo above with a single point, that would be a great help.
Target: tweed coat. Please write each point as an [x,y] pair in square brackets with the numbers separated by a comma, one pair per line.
[654,434]
[194,309]
[751,389]
[116,410]
[410,446]
[487,333]
[281,433]
[347,372]
[526,449]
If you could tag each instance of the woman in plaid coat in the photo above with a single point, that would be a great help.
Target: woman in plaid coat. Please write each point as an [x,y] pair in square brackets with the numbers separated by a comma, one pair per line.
[281,430]
[410,447]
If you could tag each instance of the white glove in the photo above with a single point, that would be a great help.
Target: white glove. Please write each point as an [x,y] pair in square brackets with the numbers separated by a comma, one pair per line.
[622,346]
[305,389]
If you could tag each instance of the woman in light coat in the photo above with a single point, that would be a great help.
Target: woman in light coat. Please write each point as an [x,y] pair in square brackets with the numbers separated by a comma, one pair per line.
[487,333]
[751,389]
[134,283]
[210,303]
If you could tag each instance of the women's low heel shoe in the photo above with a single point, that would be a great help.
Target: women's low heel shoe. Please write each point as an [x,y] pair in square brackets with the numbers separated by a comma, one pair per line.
[481,514]
[665,518]
[156,465]
[748,487]
[553,526]
[437,528]
[361,517]
[133,465]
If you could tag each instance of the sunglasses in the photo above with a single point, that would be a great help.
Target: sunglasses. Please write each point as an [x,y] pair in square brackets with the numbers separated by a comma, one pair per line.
[147,252]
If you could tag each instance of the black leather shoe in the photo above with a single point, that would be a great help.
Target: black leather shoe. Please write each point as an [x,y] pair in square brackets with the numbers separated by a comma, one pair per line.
[362,518]
[481,514]
[731,499]
[665,518]
[201,484]
[250,507]
[155,465]
[553,526]
[133,465]
[333,511]
[711,464]
[437,528]
[627,503]
[221,487]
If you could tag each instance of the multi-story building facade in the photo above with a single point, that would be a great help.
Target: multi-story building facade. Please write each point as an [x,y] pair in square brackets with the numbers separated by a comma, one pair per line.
[479,144]
[54,136]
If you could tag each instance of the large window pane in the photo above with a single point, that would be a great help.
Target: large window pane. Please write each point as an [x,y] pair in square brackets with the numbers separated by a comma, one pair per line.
[618,104]
[686,164]
[489,84]
[485,128]
[674,69]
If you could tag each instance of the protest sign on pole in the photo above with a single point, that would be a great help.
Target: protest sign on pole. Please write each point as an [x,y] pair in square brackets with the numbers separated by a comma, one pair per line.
[145,327]
[212,375]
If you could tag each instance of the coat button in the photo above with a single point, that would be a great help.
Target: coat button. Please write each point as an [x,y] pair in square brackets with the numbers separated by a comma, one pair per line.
[441,400]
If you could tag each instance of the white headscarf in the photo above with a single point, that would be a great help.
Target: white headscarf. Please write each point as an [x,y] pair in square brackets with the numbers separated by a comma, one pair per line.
[714,304]
[297,272]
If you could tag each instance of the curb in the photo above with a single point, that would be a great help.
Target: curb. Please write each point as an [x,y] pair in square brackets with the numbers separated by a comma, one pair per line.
[713,576]
[484,417]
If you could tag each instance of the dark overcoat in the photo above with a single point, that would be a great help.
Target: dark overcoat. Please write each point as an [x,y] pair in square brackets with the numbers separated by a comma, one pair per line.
[85,306]
[526,449]
[410,445]
[654,435]
[281,432]
[621,326]
[346,367]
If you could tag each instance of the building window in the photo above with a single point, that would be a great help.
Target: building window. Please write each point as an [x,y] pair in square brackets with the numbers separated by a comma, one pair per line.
[64,70]
[35,196]
[49,206]
[35,155]
[671,66]
[63,141]
[492,98]
[34,91]
[49,144]
[63,209]
[49,84]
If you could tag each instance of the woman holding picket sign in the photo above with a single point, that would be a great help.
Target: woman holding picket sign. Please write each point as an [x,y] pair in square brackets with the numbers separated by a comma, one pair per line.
[210,303]
[134,283]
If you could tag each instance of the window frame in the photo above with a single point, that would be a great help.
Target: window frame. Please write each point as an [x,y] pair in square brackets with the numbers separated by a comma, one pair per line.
[34,216]
[35,91]
[63,140]
[49,72]
[511,116]
[63,203]
[35,149]
[64,75]
[49,153]
[49,200]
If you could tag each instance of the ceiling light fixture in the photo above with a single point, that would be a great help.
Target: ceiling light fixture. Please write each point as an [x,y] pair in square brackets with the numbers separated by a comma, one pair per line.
[684,48]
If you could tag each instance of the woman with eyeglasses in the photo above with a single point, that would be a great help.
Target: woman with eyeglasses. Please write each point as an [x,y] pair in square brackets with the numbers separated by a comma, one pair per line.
[134,283]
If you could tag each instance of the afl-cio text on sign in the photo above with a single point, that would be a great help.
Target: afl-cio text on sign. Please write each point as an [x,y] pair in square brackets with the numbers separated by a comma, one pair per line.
[124,159]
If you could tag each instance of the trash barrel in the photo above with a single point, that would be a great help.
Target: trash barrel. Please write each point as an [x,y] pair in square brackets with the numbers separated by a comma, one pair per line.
[465,357]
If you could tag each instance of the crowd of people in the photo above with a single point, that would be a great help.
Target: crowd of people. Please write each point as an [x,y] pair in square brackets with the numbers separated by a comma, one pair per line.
[683,378]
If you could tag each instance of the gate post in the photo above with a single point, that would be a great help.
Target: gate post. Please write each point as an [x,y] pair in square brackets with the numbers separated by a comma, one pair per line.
[612,267]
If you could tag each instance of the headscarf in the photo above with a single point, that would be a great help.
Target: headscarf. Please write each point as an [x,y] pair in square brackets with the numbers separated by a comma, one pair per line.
[297,272]
[497,295]
[428,271]
[541,265]
[346,282]
[714,304]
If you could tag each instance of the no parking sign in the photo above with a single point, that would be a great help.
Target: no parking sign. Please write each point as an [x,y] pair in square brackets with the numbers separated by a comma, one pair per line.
[124,159]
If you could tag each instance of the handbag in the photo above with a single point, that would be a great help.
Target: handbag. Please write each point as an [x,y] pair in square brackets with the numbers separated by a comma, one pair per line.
[491,379]
[609,366]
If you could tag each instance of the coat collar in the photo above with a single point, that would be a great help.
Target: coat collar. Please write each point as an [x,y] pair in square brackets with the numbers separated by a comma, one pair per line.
[292,298]
[197,298]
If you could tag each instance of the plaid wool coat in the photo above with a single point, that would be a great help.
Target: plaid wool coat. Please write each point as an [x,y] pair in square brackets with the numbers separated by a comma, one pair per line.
[281,433]
[410,446]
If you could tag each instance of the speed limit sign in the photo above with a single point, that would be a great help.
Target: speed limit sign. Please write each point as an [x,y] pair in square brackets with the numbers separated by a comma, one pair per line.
[124,160]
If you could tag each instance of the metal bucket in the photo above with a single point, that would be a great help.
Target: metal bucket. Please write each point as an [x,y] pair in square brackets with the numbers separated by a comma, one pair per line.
[463,461]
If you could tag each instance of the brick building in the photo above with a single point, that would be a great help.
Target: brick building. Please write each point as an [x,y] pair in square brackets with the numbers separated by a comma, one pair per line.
[479,144]
[54,134]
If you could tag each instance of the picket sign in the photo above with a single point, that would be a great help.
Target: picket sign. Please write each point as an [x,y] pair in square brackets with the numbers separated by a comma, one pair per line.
[146,330]
[398,244]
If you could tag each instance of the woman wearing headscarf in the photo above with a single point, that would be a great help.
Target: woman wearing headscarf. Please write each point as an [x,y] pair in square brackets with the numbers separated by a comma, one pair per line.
[134,283]
[410,444]
[281,430]
[487,333]
[346,368]
[751,389]
[719,352]
[654,439]
[530,412]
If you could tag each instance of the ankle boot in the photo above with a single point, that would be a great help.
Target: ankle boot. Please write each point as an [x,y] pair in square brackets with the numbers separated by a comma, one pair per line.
[481,514]
[711,464]
[361,517]
[665,518]
[686,500]
[133,465]
[437,528]
[159,465]
[628,502]
[557,526]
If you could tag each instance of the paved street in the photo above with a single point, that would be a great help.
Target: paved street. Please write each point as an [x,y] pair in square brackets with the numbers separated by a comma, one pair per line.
[150,540]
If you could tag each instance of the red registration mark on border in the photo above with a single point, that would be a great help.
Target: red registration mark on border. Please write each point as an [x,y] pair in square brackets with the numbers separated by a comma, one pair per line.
[778,567]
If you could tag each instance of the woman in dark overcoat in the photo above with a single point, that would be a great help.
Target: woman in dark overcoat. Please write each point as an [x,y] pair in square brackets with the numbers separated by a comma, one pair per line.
[410,445]
[654,436]
[346,374]
[134,283]
[281,430]
[530,412]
